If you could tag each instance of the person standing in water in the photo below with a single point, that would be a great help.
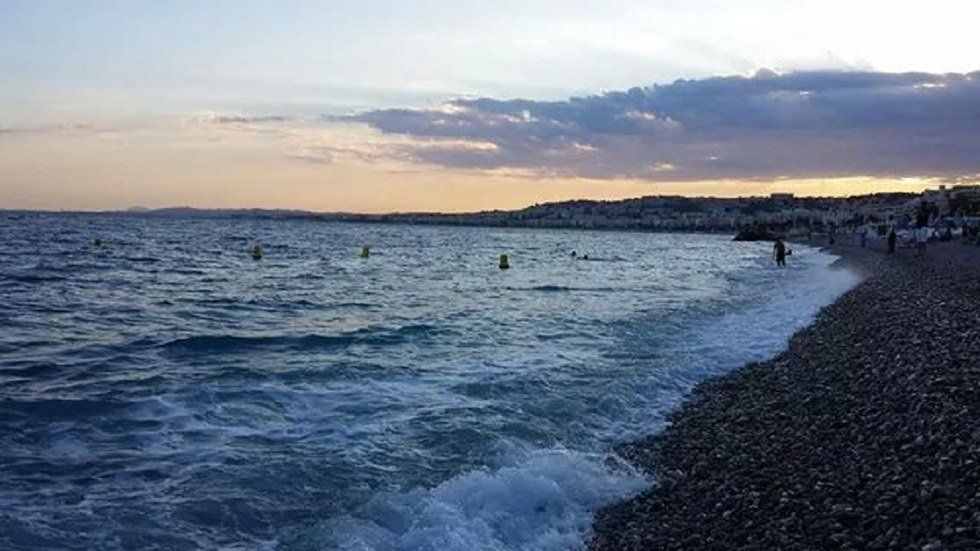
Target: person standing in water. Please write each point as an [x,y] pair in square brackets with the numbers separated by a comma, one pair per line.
[892,237]
[779,252]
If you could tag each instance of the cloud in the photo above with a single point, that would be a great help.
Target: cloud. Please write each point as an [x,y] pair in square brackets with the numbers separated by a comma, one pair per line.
[64,128]
[245,119]
[315,155]
[232,120]
[770,125]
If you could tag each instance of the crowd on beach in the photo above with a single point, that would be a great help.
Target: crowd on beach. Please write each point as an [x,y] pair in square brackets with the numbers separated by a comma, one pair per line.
[928,225]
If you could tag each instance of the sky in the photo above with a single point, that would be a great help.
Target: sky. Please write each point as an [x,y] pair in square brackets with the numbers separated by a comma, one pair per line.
[452,105]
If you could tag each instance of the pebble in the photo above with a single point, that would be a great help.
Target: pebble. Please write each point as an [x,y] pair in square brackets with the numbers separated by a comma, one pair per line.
[862,434]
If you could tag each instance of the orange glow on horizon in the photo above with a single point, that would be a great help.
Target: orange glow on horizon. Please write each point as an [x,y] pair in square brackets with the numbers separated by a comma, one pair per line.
[315,168]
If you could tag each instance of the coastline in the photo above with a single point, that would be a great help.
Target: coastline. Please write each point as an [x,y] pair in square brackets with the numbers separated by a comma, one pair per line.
[861,434]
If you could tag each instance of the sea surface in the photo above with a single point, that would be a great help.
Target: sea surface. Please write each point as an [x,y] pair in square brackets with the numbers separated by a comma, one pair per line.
[166,391]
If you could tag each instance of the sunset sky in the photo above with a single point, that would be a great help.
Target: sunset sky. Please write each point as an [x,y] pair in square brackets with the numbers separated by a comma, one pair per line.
[452,105]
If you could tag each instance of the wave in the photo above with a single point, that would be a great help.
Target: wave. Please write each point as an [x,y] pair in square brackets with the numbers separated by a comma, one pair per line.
[57,409]
[540,500]
[143,259]
[561,288]
[34,278]
[219,344]
[546,499]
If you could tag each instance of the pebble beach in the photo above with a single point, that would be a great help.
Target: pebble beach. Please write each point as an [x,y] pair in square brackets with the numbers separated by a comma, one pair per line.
[863,434]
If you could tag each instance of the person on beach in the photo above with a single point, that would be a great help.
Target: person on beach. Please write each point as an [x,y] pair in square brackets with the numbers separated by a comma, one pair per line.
[921,238]
[779,252]
[922,216]
[892,238]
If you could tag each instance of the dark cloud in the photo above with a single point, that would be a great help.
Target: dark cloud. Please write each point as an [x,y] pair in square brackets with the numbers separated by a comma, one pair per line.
[804,124]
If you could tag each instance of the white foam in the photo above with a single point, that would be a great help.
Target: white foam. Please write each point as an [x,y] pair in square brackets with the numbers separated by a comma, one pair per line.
[636,406]
[761,331]
[542,499]
[545,499]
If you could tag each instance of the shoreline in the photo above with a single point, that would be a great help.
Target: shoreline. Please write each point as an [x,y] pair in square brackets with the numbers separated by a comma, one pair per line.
[862,433]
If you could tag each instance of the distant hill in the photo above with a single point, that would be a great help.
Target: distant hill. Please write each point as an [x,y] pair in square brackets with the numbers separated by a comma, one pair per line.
[779,213]
[193,212]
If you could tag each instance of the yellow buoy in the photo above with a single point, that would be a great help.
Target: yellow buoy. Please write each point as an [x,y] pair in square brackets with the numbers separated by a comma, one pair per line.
[504,264]
[257,252]
[365,251]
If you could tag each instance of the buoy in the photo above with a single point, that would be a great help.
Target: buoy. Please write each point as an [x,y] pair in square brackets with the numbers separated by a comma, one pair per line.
[257,252]
[365,252]
[97,241]
[504,264]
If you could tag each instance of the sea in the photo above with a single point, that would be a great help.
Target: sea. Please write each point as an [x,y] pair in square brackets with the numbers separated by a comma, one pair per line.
[163,390]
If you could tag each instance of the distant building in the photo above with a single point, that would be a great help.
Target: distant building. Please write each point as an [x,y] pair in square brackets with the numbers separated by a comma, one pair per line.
[965,199]
[972,191]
